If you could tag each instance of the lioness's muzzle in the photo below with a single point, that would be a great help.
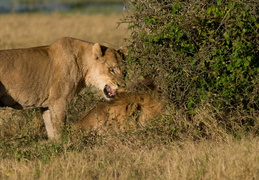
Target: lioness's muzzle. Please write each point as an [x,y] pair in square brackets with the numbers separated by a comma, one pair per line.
[109,92]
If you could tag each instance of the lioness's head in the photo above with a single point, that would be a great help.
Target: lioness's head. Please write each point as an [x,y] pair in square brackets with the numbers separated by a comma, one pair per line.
[106,71]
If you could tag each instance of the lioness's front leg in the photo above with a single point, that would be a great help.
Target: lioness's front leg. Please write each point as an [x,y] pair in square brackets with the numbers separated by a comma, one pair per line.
[48,123]
[54,118]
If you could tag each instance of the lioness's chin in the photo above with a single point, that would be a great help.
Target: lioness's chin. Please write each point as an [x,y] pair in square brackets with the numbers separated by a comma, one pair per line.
[109,92]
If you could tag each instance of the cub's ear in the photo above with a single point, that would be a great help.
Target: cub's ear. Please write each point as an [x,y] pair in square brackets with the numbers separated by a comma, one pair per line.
[97,51]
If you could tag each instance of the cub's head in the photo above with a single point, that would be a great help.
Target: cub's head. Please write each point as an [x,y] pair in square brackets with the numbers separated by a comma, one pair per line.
[106,70]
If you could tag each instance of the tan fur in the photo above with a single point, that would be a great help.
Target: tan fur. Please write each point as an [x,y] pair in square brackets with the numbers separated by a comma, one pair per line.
[48,77]
[137,107]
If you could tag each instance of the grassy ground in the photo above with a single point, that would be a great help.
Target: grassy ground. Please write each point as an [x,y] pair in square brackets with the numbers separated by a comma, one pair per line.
[114,159]
[26,154]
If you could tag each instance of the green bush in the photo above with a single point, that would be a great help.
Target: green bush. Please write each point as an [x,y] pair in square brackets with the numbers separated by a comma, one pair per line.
[198,51]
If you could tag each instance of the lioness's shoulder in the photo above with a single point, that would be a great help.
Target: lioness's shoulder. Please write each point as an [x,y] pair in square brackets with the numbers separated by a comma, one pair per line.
[70,44]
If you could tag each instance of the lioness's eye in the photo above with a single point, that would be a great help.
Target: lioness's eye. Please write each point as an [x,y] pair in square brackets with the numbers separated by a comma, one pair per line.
[111,70]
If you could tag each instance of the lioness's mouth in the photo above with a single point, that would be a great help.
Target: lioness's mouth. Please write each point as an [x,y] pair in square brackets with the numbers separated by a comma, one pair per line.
[109,92]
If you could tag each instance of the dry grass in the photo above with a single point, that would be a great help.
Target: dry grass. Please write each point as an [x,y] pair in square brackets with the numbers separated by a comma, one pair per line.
[135,155]
[29,30]
[114,160]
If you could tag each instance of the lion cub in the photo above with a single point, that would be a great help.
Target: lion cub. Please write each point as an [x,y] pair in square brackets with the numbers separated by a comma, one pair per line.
[126,110]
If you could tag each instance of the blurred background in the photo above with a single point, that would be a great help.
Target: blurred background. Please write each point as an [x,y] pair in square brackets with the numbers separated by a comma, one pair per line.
[88,6]
[28,23]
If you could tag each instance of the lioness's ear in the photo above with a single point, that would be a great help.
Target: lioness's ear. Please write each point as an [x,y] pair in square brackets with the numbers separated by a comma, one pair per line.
[97,51]
[123,51]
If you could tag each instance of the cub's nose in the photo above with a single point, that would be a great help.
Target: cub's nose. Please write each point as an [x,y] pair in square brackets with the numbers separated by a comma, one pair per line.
[119,90]
[121,85]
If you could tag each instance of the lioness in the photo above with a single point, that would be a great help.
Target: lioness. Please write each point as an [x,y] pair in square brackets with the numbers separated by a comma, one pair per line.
[137,107]
[48,77]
